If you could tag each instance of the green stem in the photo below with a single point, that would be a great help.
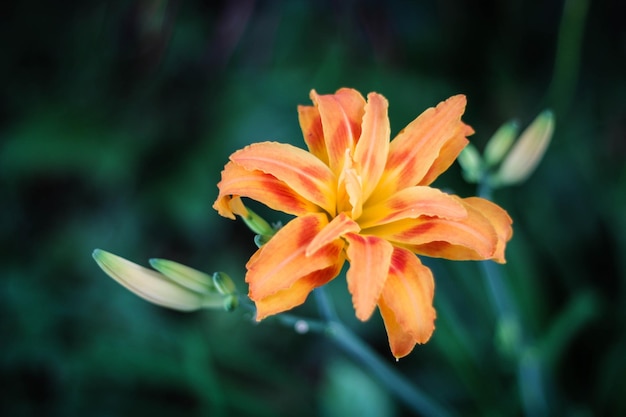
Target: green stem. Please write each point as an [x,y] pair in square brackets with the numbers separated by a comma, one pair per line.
[327,310]
[529,367]
[568,50]
[499,294]
[395,382]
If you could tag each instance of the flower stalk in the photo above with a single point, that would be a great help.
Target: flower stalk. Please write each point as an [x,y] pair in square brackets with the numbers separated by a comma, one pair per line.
[514,342]
[397,384]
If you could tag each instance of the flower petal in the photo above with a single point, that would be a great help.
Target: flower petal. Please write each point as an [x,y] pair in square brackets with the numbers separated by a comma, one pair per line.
[500,220]
[282,261]
[295,295]
[413,152]
[264,188]
[409,292]
[300,170]
[337,227]
[350,189]
[413,202]
[311,125]
[370,153]
[369,258]
[472,237]
[400,342]
[448,154]
[341,114]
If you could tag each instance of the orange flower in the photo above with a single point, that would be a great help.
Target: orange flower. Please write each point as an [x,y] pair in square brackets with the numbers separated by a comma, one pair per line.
[357,196]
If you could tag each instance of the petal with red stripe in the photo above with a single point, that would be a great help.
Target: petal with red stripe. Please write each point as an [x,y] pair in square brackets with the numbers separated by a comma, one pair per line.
[369,258]
[283,260]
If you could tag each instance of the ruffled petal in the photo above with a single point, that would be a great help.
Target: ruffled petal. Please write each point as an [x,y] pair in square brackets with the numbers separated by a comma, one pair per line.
[350,189]
[409,292]
[337,227]
[472,237]
[295,295]
[400,341]
[311,125]
[341,114]
[414,151]
[370,154]
[448,154]
[499,219]
[282,261]
[300,170]
[413,202]
[264,188]
[369,258]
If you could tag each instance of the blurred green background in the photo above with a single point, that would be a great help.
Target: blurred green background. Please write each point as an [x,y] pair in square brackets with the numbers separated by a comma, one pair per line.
[116,118]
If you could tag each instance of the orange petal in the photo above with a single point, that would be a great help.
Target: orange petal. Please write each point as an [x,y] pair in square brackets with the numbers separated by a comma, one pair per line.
[409,292]
[282,261]
[264,188]
[413,152]
[447,250]
[500,220]
[337,227]
[296,294]
[400,342]
[341,114]
[370,154]
[311,125]
[448,154]
[300,170]
[369,258]
[349,189]
[413,202]
[474,236]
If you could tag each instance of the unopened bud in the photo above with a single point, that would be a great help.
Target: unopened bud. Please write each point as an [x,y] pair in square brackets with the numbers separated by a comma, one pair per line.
[184,275]
[260,240]
[224,284]
[527,151]
[500,143]
[471,163]
[257,224]
[154,286]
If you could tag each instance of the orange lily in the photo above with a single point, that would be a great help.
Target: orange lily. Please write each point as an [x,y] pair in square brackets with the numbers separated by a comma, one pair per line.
[357,196]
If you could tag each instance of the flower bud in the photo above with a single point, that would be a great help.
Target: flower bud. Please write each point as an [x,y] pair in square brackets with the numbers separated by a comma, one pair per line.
[257,224]
[471,163]
[260,240]
[527,151]
[154,286]
[224,284]
[183,275]
[500,143]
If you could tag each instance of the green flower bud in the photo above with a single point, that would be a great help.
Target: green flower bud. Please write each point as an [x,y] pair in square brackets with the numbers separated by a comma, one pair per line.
[257,224]
[224,284]
[184,275]
[527,151]
[154,286]
[260,240]
[500,143]
[471,163]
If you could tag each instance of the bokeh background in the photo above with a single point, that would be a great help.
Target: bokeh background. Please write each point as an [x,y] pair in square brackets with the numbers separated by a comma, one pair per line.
[116,118]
